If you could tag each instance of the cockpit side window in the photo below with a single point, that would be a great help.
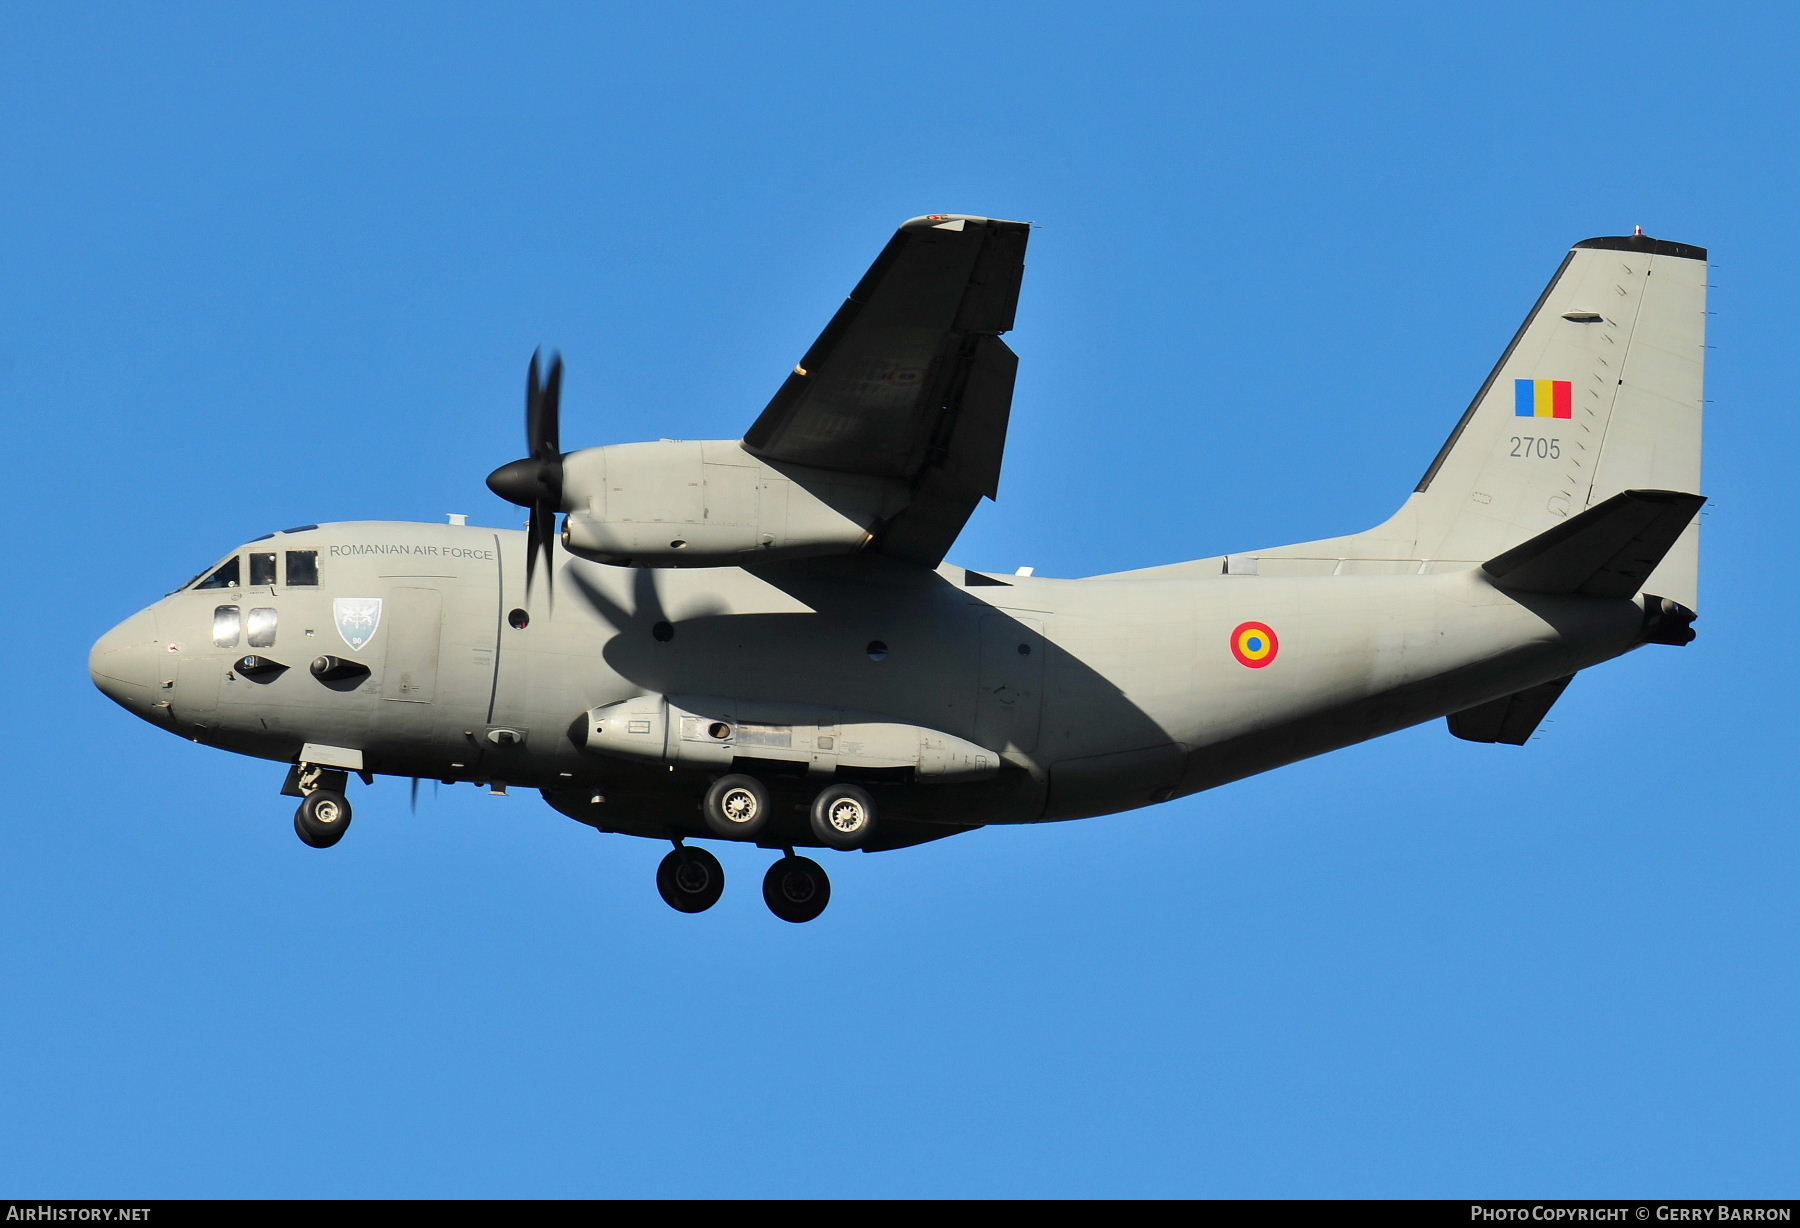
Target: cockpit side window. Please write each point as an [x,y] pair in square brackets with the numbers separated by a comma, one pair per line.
[262,627]
[302,567]
[225,577]
[262,568]
[226,621]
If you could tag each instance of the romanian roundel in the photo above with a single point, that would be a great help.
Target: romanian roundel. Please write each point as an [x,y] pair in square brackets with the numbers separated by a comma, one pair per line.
[1254,644]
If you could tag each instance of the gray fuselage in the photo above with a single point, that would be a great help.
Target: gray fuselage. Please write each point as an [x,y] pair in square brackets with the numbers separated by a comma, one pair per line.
[1096,695]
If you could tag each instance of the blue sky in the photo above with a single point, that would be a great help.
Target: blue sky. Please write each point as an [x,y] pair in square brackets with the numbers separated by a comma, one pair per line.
[269,269]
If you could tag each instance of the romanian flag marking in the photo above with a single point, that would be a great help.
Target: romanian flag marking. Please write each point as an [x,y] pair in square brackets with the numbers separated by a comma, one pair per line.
[1254,644]
[1543,398]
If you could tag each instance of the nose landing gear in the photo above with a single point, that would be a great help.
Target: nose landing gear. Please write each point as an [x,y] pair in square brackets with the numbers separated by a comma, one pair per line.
[324,813]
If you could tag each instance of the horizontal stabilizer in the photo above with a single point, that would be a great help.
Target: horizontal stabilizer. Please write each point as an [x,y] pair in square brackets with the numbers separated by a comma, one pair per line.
[1511,719]
[1607,551]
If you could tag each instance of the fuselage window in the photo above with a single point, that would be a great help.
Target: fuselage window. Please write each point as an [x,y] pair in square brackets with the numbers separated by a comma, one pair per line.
[225,626]
[302,567]
[225,577]
[262,627]
[262,569]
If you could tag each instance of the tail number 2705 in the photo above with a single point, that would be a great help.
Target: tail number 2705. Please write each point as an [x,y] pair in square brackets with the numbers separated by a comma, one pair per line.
[1538,447]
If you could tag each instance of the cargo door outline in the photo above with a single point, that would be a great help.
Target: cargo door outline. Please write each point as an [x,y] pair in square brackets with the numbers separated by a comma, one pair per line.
[413,621]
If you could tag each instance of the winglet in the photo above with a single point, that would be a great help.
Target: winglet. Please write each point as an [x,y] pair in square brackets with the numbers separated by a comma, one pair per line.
[1607,551]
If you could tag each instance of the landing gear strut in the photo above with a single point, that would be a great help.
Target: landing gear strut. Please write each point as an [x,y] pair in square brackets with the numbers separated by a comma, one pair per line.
[690,880]
[796,889]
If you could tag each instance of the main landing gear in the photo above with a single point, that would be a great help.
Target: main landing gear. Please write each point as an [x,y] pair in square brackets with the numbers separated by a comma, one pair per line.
[737,807]
[795,888]
[843,816]
[690,880]
[324,813]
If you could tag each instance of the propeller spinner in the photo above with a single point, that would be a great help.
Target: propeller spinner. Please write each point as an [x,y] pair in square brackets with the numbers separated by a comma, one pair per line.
[535,481]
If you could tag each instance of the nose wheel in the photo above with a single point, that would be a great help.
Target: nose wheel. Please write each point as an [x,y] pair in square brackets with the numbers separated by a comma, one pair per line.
[323,818]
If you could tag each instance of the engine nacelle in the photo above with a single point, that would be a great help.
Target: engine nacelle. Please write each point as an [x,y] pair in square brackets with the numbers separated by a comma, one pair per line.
[709,503]
[702,732]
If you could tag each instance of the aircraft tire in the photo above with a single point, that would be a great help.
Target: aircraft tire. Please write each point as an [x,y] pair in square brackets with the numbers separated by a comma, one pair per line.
[690,880]
[796,889]
[736,807]
[322,818]
[843,816]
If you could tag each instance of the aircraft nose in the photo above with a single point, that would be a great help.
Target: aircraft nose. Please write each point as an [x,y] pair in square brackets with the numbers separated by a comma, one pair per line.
[124,660]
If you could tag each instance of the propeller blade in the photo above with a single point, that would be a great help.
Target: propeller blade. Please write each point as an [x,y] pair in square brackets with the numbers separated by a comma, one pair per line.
[534,401]
[549,436]
[535,481]
[415,795]
[540,537]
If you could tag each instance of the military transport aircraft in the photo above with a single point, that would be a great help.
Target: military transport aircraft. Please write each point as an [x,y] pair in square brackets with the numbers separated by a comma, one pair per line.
[759,640]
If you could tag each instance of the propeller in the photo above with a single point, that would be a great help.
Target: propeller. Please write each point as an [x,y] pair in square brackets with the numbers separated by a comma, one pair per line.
[415,792]
[535,481]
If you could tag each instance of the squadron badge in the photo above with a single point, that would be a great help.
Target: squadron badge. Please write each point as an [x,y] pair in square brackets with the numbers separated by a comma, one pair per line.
[357,618]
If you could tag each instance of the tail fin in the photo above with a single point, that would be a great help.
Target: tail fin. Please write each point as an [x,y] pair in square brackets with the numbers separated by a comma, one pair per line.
[1599,393]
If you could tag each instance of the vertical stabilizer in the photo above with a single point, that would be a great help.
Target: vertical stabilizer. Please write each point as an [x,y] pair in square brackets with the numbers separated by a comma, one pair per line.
[1600,392]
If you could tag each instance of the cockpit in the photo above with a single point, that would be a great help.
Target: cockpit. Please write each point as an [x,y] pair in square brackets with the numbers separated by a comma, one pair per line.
[263,567]
[250,567]
[294,568]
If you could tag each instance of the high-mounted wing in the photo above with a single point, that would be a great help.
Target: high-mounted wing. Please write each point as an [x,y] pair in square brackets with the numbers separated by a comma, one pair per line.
[910,379]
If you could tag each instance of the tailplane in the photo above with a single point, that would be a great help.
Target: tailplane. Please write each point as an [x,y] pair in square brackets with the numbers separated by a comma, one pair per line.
[1610,550]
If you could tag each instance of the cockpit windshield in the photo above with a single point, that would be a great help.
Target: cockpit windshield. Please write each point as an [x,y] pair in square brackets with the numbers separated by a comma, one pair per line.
[301,568]
[225,577]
